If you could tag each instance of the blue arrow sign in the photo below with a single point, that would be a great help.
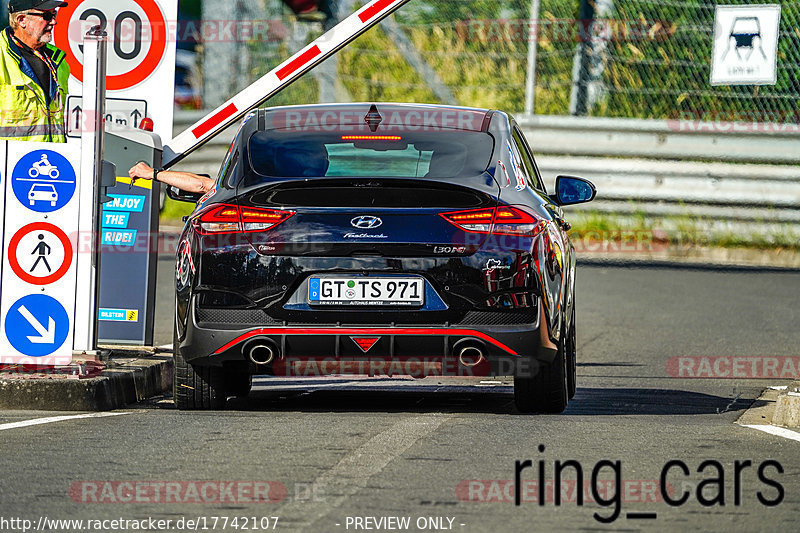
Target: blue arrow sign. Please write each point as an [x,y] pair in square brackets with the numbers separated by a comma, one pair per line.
[37,325]
[43,181]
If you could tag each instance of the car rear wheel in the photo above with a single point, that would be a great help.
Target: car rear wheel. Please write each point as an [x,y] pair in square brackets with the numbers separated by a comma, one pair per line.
[196,387]
[547,390]
[572,357]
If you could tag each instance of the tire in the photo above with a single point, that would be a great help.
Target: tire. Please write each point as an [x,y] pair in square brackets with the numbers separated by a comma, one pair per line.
[547,391]
[196,387]
[572,358]
[238,381]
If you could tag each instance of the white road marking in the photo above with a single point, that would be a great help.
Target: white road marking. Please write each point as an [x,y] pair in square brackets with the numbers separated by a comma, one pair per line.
[354,471]
[49,419]
[775,430]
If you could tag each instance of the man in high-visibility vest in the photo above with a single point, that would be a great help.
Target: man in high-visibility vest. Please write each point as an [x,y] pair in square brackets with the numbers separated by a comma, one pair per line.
[33,74]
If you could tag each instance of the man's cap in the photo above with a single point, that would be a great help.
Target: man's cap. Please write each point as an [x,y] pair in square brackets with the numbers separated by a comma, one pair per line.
[15,6]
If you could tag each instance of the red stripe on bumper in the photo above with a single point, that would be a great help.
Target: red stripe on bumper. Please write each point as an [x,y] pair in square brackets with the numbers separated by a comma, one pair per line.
[364,331]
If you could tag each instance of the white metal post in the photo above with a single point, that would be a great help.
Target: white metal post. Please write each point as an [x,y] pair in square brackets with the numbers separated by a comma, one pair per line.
[88,266]
[533,47]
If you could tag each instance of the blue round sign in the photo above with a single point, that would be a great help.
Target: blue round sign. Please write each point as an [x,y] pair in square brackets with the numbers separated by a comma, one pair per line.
[37,325]
[43,181]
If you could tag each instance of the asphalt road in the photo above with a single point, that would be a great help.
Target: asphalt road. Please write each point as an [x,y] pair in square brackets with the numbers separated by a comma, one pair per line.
[340,454]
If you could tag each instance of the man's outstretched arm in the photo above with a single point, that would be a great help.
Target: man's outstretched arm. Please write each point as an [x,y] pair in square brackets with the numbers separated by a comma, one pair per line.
[185,181]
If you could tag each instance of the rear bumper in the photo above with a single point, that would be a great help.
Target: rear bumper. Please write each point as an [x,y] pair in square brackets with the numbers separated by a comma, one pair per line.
[208,343]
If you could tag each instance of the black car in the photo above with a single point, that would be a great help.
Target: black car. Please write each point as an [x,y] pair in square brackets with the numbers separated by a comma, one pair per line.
[377,234]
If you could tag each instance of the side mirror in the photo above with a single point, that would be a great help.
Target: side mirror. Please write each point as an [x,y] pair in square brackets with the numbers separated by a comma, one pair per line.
[175,193]
[571,190]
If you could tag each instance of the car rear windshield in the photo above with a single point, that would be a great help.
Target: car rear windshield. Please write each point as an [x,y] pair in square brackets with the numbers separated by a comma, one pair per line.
[428,154]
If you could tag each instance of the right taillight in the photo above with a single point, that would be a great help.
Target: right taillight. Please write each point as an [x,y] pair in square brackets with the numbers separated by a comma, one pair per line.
[227,218]
[503,220]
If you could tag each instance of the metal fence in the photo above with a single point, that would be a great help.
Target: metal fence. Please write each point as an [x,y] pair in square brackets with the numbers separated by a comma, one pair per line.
[665,72]
[608,58]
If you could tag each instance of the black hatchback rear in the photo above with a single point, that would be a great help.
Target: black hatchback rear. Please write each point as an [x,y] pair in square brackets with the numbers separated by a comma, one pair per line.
[377,239]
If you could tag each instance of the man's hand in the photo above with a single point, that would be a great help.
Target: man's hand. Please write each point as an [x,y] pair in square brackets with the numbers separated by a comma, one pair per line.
[141,171]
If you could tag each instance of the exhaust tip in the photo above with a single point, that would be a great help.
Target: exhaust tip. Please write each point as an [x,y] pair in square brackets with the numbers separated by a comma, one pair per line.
[471,355]
[261,352]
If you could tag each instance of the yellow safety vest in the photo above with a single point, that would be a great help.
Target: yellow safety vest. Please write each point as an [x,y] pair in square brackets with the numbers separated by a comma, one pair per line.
[24,115]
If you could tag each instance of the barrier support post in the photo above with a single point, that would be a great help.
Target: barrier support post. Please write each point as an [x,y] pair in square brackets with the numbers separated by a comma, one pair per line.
[92,138]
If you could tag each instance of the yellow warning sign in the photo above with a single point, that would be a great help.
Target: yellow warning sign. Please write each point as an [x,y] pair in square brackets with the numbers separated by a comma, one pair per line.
[132,315]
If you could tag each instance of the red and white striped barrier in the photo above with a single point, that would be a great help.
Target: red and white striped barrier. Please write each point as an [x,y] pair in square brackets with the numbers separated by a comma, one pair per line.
[278,78]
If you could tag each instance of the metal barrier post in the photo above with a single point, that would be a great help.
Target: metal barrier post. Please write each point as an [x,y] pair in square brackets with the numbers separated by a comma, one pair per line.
[92,138]
[533,47]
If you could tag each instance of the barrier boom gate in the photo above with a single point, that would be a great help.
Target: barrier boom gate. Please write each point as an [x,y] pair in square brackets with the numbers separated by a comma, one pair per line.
[277,79]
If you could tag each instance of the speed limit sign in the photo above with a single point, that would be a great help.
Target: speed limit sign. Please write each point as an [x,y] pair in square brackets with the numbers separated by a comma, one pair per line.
[141,51]
[138,35]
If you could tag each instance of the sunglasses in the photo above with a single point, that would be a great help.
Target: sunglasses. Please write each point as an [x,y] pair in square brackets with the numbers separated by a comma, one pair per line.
[47,15]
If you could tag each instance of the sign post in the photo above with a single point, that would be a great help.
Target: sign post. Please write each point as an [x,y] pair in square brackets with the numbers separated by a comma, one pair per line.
[94,95]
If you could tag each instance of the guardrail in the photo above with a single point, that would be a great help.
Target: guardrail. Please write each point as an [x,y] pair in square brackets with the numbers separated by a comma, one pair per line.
[740,178]
[683,139]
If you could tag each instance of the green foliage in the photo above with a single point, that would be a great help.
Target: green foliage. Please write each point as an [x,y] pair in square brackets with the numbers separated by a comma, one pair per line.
[373,70]
[173,211]
[479,49]
[652,59]
[678,230]
[655,62]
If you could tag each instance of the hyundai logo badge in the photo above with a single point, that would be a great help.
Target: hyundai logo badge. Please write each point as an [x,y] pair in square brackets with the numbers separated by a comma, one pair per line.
[366,222]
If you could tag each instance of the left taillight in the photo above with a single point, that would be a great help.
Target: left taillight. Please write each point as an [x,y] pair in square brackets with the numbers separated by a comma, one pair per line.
[504,220]
[226,218]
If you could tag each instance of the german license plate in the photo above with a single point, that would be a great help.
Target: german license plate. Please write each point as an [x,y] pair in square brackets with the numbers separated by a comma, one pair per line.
[365,291]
